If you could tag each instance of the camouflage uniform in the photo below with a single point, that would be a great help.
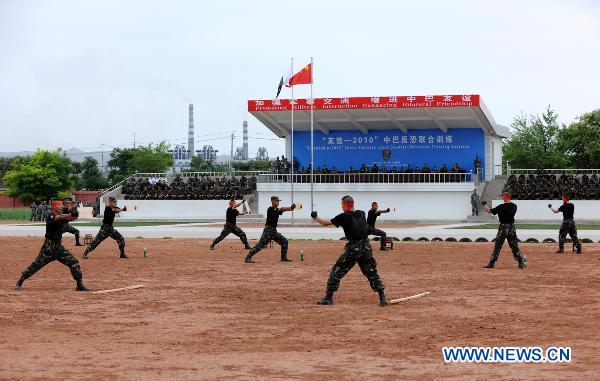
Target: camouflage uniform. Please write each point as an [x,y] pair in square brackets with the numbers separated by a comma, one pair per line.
[568,226]
[231,229]
[355,252]
[270,234]
[509,233]
[70,229]
[33,208]
[474,204]
[105,232]
[53,251]
[372,230]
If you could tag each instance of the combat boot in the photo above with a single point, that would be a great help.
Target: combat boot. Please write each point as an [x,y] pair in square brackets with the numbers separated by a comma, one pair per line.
[19,284]
[490,265]
[382,299]
[212,247]
[327,299]
[248,259]
[247,247]
[579,250]
[81,286]
[522,262]
[123,255]
[284,258]
[383,248]
[560,250]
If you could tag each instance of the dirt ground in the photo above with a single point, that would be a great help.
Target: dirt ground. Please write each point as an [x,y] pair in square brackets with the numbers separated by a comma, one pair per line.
[207,315]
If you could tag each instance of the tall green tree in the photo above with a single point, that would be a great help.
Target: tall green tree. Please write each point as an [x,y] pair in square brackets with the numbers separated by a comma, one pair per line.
[6,164]
[580,141]
[534,142]
[41,176]
[125,162]
[198,164]
[119,164]
[91,177]
[252,165]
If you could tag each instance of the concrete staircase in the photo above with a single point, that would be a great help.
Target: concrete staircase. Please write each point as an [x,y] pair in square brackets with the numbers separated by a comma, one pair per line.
[491,191]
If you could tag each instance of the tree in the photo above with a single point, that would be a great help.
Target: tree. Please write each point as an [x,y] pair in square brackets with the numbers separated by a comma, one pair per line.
[252,165]
[91,177]
[534,142]
[580,141]
[41,176]
[198,164]
[6,164]
[125,162]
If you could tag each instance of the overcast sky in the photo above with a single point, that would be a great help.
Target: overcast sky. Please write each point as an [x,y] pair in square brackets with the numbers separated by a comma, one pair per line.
[86,73]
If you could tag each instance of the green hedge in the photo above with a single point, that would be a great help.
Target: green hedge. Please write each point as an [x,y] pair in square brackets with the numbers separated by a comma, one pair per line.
[16,214]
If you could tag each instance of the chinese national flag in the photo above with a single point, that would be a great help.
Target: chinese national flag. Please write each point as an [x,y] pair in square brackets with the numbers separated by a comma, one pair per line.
[303,77]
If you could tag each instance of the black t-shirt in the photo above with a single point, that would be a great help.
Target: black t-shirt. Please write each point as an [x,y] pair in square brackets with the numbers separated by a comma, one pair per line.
[109,216]
[372,216]
[54,228]
[231,215]
[568,210]
[506,212]
[273,214]
[353,223]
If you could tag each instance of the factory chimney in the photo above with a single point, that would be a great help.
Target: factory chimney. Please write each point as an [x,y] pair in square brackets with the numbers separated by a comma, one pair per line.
[191,151]
[245,140]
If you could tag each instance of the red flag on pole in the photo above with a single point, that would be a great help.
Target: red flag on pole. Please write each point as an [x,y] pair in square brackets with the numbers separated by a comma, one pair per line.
[303,77]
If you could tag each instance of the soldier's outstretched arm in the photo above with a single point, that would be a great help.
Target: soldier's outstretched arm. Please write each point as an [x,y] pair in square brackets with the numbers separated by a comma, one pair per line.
[322,221]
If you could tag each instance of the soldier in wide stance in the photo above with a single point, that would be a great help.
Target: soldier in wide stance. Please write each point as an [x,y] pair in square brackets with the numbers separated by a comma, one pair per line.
[107,229]
[270,232]
[70,208]
[231,226]
[374,212]
[53,250]
[568,225]
[506,231]
[357,250]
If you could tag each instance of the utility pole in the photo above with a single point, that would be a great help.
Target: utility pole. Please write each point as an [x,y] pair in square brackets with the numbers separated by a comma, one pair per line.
[102,152]
[231,151]
[133,139]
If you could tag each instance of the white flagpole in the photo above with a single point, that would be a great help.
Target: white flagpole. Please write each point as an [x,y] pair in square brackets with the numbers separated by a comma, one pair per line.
[312,151]
[292,142]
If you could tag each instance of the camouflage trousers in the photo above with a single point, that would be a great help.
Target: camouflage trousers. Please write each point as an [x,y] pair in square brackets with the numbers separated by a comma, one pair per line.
[270,234]
[568,226]
[70,229]
[53,251]
[509,233]
[475,209]
[231,229]
[355,252]
[105,232]
[371,230]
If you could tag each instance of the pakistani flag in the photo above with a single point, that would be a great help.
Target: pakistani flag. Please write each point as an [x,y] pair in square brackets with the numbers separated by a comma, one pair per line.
[285,80]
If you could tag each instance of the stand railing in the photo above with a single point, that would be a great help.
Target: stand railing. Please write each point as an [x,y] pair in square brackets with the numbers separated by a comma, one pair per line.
[369,178]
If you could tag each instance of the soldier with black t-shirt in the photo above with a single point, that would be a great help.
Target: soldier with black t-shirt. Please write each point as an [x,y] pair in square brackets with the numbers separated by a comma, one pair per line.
[506,231]
[231,226]
[374,212]
[270,232]
[53,250]
[357,250]
[568,225]
[107,229]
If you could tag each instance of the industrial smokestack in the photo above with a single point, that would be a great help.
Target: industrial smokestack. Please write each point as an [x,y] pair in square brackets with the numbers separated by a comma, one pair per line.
[245,141]
[191,151]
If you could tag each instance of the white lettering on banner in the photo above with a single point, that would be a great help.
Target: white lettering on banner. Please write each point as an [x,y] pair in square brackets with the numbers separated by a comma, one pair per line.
[330,140]
[466,98]
[386,139]
[413,139]
[421,139]
[327,101]
[440,138]
[447,98]
[393,99]
[259,103]
[339,140]
[276,102]
[429,98]
[411,98]
[345,100]
[396,139]
[449,139]
[310,101]
[404,139]
[431,139]
[374,99]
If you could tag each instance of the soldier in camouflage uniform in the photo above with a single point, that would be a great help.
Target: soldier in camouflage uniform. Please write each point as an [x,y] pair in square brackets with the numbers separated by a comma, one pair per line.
[52,250]
[70,208]
[357,250]
[374,212]
[107,229]
[506,231]
[475,203]
[32,206]
[231,226]
[270,232]
[568,225]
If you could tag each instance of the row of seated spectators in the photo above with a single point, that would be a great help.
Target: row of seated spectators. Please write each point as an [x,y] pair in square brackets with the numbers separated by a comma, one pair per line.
[197,187]
[376,174]
[546,186]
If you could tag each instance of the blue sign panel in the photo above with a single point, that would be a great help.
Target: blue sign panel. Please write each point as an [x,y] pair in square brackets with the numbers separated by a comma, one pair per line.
[345,148]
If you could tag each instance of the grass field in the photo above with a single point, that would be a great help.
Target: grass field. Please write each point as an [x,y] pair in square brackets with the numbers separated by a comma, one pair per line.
[531,226]
[18,214]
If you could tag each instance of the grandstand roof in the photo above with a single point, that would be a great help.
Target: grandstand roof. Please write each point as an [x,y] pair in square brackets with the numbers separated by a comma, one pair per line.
[377,113]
